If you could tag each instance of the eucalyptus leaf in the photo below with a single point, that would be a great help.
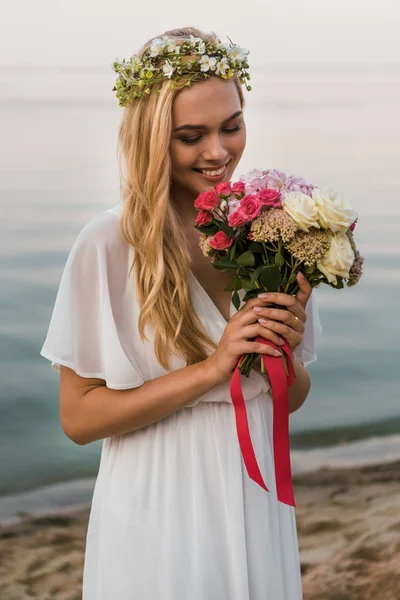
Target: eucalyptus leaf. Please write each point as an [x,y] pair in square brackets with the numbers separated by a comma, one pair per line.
[270,277]
[292,278]
[247,259]
[279,260]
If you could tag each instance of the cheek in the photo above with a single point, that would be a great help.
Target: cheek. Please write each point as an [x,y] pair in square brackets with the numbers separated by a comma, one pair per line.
[182,157]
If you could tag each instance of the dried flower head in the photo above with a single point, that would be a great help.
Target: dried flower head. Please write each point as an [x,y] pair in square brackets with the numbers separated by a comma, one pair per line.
[356,269]
[309,247]
[271,225]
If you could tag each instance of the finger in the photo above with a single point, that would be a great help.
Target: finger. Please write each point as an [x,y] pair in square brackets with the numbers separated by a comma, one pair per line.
[304,293]
[284,330]
[292,303]
[285,316]
[268,334]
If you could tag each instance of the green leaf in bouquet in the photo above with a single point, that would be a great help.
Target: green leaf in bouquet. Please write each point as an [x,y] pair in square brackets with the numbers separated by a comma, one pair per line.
[339,285]
[227,229]
[234,285]
[256,247]
[251,294]
[232,251]
[308,270]
[279,260]
[236,300]
[270,277]
[209,229]
[246,284]
[224,264]
[255,274]
[292,278]
[247,259]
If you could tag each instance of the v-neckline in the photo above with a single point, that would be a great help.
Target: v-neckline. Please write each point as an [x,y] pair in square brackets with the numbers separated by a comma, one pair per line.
[212,303]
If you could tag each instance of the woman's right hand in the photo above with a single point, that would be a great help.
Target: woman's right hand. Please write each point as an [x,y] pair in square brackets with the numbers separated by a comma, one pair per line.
[234,341]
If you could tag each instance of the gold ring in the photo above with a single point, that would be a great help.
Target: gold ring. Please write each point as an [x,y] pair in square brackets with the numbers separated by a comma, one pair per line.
[294,322]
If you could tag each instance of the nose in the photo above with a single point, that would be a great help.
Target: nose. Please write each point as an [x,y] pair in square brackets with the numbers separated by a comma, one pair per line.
[215,150]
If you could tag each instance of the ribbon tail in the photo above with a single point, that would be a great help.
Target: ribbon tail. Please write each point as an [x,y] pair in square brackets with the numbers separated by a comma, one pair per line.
[279,383]
[242,428]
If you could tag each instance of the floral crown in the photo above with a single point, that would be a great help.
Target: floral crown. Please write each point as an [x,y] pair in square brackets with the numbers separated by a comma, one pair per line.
[165,58]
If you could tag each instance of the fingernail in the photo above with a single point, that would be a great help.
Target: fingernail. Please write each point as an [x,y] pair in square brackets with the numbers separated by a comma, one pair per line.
[277,353]
[281,341]
[264,296]
[301,275]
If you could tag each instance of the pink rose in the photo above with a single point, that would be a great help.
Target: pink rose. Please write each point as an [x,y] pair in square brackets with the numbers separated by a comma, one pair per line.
[220,241]
[237,219]
[223,188]
[238,187]
[250,206]
[207,200]
[270,198]
[203,217]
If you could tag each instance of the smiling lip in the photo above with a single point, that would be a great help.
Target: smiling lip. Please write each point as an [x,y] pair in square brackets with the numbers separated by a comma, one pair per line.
[214,177]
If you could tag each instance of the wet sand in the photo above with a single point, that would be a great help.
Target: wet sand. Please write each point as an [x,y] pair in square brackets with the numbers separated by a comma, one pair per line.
[348,523]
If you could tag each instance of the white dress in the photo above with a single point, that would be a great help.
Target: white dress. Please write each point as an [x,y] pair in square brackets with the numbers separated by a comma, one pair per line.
[174,514]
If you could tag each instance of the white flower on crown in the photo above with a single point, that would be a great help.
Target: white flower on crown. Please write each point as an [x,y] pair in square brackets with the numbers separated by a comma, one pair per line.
[222,66]
[223,46]
[194,40]
[201,47]
[207,63]
[168,69]
[170,44]
[135,62]
[157,46]
[238,53]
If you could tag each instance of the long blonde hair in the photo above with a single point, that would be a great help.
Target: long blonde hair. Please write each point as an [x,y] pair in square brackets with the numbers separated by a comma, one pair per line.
[150,223]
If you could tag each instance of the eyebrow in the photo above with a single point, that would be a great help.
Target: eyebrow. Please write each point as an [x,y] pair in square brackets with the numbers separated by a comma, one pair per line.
[236,114]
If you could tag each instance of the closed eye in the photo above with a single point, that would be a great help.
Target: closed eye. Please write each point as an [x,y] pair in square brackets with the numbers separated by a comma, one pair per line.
[194,140]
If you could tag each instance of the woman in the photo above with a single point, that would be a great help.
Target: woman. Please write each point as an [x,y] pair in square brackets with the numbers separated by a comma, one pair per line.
[174,514]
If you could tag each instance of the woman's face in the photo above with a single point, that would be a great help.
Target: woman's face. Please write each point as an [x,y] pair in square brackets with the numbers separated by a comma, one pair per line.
[208,135]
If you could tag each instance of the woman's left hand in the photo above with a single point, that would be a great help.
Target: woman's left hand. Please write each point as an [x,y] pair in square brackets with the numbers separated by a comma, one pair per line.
[284,322]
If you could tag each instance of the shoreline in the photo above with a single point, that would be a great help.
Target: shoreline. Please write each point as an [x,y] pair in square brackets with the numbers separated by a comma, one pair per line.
[71,494]
[348,523]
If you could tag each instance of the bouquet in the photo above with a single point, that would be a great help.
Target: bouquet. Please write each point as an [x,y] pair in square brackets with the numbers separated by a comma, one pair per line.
[265,228]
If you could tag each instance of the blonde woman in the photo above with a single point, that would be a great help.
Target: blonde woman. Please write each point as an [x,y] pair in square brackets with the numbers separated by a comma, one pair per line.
[145,339]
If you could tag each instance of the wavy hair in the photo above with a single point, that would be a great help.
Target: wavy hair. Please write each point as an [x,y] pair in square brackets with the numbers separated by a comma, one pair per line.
[151,225]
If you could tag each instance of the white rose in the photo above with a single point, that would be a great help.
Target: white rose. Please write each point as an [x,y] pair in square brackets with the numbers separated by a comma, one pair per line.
[334,212]
[338,259]
[301,208]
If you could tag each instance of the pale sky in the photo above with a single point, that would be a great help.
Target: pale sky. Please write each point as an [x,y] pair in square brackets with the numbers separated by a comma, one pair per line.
[94,32]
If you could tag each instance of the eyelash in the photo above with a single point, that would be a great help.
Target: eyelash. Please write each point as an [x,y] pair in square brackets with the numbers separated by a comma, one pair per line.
[197,139]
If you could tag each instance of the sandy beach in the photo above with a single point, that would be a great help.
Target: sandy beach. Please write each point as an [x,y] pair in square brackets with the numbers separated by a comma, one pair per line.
[348,524]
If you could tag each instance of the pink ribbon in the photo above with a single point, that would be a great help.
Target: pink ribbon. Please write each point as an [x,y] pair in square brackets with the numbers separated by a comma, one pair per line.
[279,383]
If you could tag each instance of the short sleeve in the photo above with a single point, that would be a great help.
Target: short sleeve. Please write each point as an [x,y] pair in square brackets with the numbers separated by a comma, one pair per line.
[83,333]
[306,352]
